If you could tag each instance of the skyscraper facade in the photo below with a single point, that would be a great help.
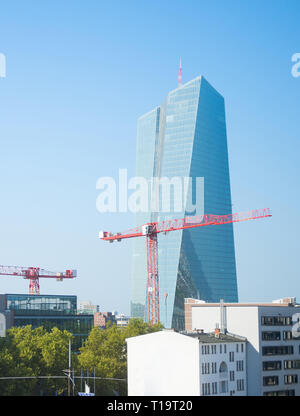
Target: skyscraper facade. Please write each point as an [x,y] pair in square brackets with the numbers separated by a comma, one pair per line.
[186,137]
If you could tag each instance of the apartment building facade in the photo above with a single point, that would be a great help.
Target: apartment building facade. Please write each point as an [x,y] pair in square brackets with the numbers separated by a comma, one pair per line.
[273,348]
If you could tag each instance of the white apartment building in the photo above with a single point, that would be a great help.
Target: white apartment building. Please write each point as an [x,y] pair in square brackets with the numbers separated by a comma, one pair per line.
[122,320]
[273,348]
[169,363]
[86,307]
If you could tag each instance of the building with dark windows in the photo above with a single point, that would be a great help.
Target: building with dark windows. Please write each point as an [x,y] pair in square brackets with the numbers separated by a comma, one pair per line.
[273,334]
[186,137]
[49,311]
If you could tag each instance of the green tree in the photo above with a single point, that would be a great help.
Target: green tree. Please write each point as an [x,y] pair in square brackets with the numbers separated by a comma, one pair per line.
[33,352]
[105,351]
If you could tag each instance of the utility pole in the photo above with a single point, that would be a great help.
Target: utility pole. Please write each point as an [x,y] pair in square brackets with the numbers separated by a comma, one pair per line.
[69,370]
[166,306]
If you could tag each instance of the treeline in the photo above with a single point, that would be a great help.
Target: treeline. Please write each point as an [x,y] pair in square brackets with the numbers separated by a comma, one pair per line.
[27,352]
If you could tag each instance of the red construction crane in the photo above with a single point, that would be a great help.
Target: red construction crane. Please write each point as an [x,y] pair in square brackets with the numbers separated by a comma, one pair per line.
[151,230]
[34,273]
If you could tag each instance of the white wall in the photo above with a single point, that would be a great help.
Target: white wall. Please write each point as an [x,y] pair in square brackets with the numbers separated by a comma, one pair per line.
[2,325]
[164,363]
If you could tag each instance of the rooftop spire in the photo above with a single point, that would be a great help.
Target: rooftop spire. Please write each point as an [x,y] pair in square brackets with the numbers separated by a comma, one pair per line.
[179,74]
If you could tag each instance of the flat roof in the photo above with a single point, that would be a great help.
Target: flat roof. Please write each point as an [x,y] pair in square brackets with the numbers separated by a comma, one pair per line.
[211,338]
[236,305]
[37,296]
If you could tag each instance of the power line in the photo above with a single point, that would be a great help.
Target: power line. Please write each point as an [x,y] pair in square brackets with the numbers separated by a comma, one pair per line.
[64,377]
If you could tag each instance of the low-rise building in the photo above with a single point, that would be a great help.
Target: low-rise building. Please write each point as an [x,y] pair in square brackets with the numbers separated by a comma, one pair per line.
[169,363]
[122,320]
[49,311]
[86,307]
[102,318]
[272,331]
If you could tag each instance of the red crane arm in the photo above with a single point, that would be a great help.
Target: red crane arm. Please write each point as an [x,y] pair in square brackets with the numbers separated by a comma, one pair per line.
[35,272]
[185,223]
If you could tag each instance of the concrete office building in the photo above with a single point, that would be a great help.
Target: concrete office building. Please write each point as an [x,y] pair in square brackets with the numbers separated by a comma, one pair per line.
[169,363]
[273,349]
[186,137]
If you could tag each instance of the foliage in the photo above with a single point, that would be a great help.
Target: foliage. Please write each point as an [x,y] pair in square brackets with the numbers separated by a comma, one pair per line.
[38,352]
[105,351]
[33,352]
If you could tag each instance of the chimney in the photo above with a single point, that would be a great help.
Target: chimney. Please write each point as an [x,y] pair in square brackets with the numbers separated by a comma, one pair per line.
[223,329]
[217,331]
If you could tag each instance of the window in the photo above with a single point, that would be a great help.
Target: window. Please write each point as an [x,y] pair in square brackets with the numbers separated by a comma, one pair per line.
[223,368]
[213,368]
[231,375]
[270,335]
[206,389]
[205,349]
[220,348]
[278,350]
[240,365]
[287,335]
[280,393]
[271,365]
[270,381]
[291,379]
[291,364]
[214,388]
[205,368]
[237,347]
[242,347]
[231,356]
[240,385]
[223,386]
[276,320]
[225,348]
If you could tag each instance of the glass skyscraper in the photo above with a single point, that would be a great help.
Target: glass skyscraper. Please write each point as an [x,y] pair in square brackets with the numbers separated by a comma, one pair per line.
[186,137]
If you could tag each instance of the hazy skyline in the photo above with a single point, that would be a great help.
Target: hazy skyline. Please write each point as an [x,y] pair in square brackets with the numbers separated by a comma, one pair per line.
[78,76]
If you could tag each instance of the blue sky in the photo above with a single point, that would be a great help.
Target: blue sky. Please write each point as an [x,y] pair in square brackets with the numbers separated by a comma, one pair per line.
[79,74]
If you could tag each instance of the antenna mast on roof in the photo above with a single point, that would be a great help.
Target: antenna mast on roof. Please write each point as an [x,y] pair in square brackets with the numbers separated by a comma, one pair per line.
[179,75]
